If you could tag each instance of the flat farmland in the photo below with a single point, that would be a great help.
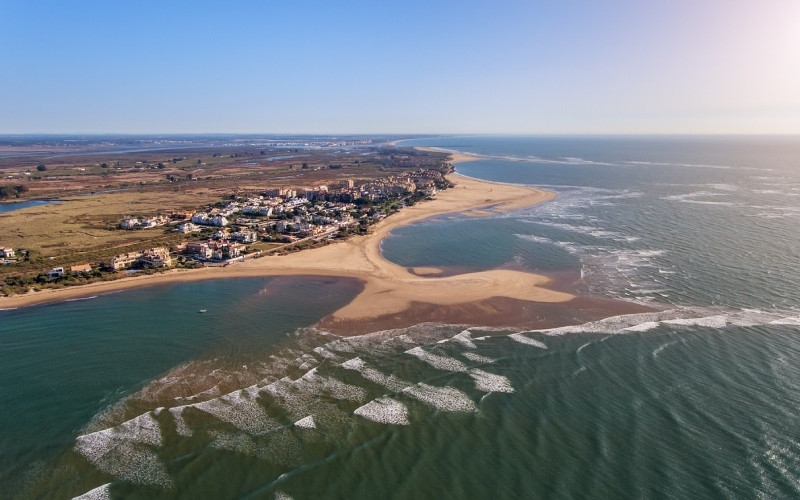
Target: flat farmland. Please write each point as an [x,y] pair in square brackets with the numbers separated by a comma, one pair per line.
[83,223]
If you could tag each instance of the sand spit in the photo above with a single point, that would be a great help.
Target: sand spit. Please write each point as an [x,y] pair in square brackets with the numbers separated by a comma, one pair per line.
[389,289]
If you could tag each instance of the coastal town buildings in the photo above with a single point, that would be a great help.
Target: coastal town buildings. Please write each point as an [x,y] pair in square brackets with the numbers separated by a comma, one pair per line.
[187,227]
[129,223]
[199,250]
[81,269]
[124,261]
[245,236]
[284,215]
[156,257]
[144,222]
[205,219]
[8,253]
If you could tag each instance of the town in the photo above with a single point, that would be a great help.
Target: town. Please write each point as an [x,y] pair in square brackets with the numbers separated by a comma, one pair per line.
[231,230]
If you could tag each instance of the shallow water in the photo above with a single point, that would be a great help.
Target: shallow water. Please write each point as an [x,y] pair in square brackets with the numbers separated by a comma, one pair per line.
[19,205]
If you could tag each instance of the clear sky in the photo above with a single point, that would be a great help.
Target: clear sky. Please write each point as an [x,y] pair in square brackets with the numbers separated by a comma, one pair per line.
[466,66]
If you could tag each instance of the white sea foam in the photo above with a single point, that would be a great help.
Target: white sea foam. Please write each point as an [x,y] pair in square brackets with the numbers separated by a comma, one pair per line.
[289,395]
[669,164]
[325,353]
[642,327]
[214,392]
[389,381]
[181,427]
[464,338]
[280,446]
[490,382]
[100,493]
[318,384]
[142,429]
[240,443]
[279,495]
[660,348]
[719,321]
[306,423]
[536,239]
[477,357]
[723,187]
[354,364]
[384,411]
[693,198]
[123,451]
[78,299]
[623,195]
[786,321]
[240,409]
[441,398]
[522,339]
[438,362]
[613,324]
[687,317]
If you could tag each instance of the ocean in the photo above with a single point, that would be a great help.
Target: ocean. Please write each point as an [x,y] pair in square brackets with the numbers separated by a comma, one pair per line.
[138,394]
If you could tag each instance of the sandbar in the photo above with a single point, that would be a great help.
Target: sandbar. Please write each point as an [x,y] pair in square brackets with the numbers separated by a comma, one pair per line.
[388,288]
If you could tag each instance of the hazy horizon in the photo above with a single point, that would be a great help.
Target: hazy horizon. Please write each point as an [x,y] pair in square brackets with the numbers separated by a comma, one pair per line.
[721,67]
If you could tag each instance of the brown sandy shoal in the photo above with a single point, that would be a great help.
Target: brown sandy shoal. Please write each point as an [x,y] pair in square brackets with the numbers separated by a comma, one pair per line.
[491,312]
[390,291]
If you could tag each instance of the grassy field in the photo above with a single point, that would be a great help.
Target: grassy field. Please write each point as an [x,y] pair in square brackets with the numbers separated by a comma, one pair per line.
[88,223]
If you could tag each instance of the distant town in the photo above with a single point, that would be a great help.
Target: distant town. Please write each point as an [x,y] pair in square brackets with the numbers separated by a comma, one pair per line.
[250,222]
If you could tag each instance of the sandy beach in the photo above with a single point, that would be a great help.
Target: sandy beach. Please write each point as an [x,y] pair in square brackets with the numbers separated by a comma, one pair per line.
[389,289]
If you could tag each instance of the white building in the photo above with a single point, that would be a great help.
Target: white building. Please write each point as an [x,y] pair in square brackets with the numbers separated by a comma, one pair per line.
[129,223]
[156,257]
[245,236]
[187,227]
[206,220]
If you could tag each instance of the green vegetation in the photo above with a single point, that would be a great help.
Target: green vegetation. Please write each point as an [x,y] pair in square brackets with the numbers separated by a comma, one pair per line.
[13,191]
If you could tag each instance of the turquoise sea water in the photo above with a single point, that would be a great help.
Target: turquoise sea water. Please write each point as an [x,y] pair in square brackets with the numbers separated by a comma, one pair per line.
[137,394]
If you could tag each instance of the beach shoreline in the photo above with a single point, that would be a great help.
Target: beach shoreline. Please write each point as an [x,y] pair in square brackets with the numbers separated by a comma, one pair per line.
[389,289]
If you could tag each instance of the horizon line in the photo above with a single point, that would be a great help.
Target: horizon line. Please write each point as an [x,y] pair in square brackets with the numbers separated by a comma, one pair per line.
[427,134]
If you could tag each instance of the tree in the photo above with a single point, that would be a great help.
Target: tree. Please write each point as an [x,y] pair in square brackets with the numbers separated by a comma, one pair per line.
[41,167]
[104,165]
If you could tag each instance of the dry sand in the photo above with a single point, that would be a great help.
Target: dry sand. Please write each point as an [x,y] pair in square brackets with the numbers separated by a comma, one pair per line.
[389,289]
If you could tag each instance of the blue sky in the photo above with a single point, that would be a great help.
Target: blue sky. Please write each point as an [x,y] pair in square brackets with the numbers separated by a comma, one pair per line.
[522,67]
